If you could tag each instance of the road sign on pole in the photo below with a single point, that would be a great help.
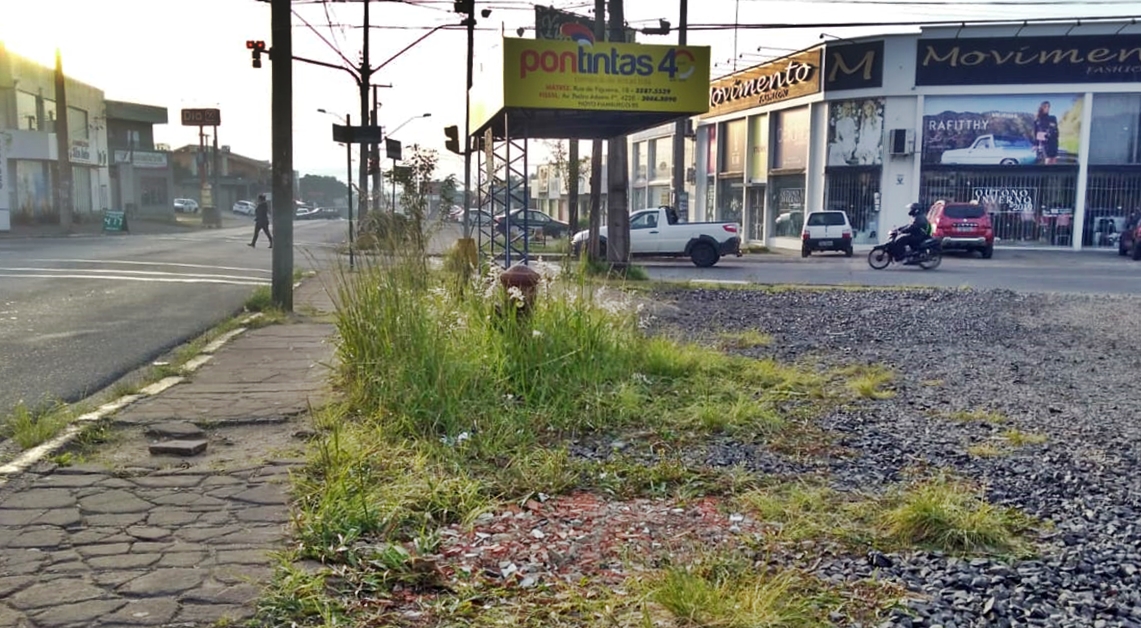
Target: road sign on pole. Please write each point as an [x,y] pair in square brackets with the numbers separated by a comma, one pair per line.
[357,134]
[201,117]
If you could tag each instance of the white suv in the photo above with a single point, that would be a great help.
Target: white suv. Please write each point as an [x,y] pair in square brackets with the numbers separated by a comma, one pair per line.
[826,231]
[245,207]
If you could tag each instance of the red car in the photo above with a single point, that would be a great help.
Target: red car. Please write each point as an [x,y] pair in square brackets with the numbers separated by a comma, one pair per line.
[962,226]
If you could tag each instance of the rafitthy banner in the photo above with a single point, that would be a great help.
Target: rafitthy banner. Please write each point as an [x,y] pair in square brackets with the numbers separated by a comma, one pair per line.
[585,75]
[1002,130]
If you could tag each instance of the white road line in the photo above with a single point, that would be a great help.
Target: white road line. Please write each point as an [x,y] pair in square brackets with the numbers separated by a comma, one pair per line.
[148,273]
[251,282]
[111,261]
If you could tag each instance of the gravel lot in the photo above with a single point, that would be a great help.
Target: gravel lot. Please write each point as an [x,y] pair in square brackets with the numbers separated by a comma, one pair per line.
[1063,366]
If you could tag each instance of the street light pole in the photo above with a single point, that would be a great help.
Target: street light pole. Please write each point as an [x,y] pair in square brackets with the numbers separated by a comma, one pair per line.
[680,197]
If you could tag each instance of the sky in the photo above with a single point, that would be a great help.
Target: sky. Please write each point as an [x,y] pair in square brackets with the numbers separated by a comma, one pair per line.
[180,54]
[1028,103]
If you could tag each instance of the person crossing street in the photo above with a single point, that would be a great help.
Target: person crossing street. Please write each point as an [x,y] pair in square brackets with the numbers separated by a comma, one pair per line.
[261,221]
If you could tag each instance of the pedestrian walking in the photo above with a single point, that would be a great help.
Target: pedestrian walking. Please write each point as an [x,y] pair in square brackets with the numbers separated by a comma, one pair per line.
[261,221]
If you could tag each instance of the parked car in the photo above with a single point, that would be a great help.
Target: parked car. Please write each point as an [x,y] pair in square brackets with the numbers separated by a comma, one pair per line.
[550,227]
[305,213]
[246,208]
[186,206]
[993,150]
[659,233]
[826,231]
[962,226]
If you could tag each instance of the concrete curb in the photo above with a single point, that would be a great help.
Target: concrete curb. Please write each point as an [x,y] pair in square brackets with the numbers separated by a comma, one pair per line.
[82,422]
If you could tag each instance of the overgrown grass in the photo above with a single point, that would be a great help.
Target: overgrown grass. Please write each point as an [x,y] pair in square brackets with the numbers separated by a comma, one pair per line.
[261,300]
[745,339]
[30,426]
[977,416]
[459,397]
[869,381]
[937,513]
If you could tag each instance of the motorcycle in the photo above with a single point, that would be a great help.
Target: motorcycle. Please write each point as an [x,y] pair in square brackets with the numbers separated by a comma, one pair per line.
[928,256]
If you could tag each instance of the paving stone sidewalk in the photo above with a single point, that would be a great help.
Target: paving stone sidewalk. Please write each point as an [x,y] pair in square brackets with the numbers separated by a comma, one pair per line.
[131,539]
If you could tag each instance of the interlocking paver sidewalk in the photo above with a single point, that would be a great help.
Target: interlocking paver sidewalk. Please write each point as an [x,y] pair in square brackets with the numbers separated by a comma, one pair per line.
[131,539]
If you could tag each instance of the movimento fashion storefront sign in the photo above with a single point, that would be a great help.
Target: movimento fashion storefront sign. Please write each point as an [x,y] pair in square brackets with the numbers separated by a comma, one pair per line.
[784,79]
[1029,60]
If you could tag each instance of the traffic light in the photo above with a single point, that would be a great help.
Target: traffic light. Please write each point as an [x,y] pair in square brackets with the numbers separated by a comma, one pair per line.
[256,47]
[453,143]
[467,7]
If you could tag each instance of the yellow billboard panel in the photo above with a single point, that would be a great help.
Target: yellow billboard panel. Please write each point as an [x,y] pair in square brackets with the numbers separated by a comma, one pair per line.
[585,75]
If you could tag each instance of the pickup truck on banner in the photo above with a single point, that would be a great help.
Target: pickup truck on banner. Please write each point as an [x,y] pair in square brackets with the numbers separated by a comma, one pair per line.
[659,233]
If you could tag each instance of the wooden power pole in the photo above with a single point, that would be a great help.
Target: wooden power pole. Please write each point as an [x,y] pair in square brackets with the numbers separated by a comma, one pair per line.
[282,152]
[63,146]
[595,219]
[617,205]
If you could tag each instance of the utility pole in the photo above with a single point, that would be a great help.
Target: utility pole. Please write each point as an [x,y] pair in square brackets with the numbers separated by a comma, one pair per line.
[282,152]
[681,200]
[595,219]
[617,206]
[375,153]
[470,21]
[63,176]
[216,195]
[365,79]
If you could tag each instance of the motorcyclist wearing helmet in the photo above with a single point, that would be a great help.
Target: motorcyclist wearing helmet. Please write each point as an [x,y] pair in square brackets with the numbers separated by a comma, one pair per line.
[912,235]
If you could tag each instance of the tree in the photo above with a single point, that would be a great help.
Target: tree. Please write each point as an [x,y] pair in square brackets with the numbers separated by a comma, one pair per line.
[323,190]
[415,179]
[560,159]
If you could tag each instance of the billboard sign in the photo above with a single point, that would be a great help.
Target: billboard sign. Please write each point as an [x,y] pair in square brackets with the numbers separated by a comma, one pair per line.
[784,79]
[201,117]
[853,66]
[855,132]
[1029,60]
[1002,130]
[585,75]
[551,23]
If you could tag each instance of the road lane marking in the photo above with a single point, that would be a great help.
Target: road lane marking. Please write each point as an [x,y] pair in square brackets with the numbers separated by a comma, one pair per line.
[147,273]
[249,282]
[108,261]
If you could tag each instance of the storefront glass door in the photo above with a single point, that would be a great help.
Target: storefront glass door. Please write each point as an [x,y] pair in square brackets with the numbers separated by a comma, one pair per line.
[755,213]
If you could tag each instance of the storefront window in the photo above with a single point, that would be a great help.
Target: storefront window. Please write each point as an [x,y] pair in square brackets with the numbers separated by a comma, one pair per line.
[663,159]
[855,132]
[641,172]
[736,135]
[786,194]
[791,149]
[755,212]
[77,122]
[758,148]
[856,191]
[638,199]
[81,184]
[153,191]
[26,117]
[1112,198]
[659,195]
[34,199]
[710,198]
[1030,208]
[1115,130]
[730,200]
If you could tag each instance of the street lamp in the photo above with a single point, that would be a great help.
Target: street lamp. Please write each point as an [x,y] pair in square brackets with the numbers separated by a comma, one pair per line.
[330,113]
[402,125]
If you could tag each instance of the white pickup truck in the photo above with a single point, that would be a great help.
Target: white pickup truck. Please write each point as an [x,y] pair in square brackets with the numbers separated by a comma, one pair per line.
[659,233]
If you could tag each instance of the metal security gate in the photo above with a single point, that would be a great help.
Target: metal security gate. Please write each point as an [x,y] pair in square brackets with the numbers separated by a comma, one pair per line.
[1028,206]
[856,191]
[1112,195]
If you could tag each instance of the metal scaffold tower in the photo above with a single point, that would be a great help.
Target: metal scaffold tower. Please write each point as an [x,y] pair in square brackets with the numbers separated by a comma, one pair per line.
[503,187]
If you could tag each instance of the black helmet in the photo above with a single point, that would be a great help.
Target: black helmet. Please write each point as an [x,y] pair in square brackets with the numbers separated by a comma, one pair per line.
[914,209]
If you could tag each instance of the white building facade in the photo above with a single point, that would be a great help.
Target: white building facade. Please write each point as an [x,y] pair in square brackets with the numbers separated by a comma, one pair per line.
[1041,124]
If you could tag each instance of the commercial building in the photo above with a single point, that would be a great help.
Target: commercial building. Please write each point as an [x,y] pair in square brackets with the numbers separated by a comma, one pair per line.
[1039,123]
[240,178]
[550,194]
[142,178]
[29,150]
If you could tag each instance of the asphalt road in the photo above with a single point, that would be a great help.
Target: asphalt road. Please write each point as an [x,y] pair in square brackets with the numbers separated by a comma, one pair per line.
[78,313]
[1031,271]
